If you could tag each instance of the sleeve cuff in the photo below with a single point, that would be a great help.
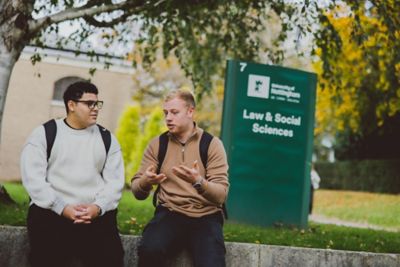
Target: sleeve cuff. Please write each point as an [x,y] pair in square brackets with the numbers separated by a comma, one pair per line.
[101,206]
[58,206]
[137,190]
[143,190]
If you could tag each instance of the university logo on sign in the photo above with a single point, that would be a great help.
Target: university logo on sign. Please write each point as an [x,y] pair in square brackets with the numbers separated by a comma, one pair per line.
[258,86]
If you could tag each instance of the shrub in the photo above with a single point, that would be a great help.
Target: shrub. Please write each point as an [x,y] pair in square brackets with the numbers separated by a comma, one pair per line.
[381,176]
[134,136]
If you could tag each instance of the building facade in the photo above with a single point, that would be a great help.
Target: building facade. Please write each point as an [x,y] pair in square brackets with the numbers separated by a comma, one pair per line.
[35,96]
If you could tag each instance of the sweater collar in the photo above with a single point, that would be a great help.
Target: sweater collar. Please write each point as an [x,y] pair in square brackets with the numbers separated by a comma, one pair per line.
[69,129]
[195,134]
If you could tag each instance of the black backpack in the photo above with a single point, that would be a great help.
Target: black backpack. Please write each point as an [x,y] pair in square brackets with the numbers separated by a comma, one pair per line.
[50,128]
[204,144]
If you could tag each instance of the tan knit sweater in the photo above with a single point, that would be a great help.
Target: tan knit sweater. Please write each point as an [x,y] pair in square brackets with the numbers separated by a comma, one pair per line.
[177,194]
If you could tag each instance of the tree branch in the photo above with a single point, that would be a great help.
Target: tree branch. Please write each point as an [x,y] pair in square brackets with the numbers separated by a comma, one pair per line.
[85,11]
[104,24]
[133,9]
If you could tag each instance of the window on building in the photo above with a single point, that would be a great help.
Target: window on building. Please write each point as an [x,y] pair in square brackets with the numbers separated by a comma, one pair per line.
[61,85]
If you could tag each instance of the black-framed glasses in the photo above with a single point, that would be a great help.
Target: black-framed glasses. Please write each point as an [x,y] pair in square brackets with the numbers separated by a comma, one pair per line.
[90,103]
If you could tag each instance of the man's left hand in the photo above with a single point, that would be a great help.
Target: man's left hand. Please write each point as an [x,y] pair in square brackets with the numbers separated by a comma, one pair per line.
[190,175]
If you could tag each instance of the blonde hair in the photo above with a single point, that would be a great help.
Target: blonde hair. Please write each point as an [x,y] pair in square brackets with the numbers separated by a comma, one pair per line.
[183,95]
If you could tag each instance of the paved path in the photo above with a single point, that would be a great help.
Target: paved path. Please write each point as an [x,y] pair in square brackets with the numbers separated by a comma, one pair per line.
[328,220]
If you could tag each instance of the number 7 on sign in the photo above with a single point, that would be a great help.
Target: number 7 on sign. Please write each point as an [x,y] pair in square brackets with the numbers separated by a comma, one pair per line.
[242,66]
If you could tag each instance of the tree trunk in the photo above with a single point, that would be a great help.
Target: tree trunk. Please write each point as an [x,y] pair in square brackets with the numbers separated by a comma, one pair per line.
[14,35]
[7,62]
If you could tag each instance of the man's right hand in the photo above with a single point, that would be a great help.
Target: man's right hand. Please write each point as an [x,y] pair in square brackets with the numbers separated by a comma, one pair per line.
[151,178]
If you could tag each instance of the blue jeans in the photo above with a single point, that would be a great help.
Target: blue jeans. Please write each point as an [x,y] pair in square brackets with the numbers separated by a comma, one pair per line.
[168,232]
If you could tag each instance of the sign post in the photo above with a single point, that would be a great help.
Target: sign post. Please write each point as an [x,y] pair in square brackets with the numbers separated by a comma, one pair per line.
[267,130]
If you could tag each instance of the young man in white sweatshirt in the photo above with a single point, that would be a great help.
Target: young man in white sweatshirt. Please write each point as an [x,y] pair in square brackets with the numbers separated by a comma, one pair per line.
[75,192]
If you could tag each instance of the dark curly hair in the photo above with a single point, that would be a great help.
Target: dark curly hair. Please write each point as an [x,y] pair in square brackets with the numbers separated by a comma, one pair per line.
[76,90]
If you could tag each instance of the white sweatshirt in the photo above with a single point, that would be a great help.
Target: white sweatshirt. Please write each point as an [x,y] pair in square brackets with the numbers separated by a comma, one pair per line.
[74,173]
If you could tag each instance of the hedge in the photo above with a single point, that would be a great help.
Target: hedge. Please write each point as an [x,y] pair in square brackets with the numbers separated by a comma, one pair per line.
[381,176]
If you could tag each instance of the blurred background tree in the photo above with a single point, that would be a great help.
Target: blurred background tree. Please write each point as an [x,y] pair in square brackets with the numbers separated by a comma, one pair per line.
[357,43]
[152,127]
[128,133]
[275,45]
[201,34]
[358,100]
[134,133]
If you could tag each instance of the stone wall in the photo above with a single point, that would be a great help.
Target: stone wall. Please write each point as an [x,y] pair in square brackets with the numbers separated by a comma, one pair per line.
[14,249]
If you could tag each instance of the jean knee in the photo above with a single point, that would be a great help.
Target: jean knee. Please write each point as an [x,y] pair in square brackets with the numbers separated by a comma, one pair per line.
[151,248]
[151,254]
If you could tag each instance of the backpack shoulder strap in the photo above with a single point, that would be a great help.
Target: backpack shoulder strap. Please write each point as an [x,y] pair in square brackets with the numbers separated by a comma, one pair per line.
[203,147]
[50,128]
[162,151]
[106,136]
[205,142]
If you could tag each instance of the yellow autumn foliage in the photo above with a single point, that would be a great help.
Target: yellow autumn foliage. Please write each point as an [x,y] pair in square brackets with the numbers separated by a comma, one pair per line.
[340,106]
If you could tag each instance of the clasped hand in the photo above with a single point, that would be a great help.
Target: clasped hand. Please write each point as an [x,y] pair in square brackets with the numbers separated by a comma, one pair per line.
[81,213]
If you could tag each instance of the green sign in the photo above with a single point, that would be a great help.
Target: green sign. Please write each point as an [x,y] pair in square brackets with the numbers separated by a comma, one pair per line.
[267,130]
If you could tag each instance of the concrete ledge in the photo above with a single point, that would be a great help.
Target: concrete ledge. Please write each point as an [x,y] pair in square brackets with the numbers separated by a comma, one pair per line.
[14,250]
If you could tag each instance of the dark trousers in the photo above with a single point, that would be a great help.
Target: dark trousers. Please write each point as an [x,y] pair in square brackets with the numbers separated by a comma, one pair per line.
[169,232]
[56,241]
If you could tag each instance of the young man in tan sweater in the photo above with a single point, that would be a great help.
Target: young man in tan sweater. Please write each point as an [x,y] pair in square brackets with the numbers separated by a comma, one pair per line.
[190,198]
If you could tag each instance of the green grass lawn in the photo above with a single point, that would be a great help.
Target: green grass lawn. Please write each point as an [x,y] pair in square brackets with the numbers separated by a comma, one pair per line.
[133,215]
[372,208]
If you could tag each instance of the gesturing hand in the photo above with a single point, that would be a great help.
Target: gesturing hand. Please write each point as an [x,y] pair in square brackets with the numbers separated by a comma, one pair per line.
[190,175]
[151,177]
